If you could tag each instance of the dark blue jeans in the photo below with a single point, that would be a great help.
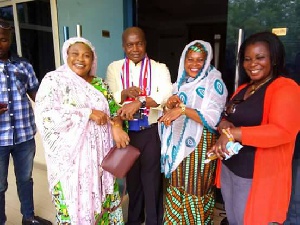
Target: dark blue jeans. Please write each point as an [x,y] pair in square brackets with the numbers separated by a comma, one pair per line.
[293,216]
[22,155]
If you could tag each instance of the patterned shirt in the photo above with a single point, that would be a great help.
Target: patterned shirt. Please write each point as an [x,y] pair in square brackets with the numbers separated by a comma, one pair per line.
[17,124]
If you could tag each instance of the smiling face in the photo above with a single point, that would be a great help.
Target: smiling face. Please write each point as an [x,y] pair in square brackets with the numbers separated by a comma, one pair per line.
[194,62]
[134,45]
[80,59]
[257,61]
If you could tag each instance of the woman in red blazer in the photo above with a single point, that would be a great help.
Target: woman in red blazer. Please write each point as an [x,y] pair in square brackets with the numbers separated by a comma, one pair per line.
[263,115]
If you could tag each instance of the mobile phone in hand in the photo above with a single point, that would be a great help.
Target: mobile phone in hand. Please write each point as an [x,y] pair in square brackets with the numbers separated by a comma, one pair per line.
[3,105]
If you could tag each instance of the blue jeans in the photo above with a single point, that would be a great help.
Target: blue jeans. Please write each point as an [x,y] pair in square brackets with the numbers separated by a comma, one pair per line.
[293,216]
[22,155]
[235,191]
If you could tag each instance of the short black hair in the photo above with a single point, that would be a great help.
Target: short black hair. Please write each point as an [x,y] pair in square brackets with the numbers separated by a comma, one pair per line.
[133,30]
[277,53]
[5,25]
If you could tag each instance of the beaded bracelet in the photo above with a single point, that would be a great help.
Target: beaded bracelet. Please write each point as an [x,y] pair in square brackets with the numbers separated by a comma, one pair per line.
[228,134]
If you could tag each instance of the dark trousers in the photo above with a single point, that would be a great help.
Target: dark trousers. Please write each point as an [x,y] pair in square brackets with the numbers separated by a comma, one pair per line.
[293,216]
[23,155]
[144,180]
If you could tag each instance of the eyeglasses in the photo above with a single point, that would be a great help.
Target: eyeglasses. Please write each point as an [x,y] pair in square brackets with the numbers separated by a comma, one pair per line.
[231,106]
[5,25]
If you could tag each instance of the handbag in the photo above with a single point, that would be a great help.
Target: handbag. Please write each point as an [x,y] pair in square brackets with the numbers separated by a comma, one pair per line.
[118,161]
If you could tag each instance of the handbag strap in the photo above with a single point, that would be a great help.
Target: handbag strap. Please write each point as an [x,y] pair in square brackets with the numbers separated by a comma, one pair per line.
[110,210]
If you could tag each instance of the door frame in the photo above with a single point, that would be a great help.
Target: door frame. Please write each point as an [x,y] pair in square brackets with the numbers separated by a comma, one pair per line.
[53,7]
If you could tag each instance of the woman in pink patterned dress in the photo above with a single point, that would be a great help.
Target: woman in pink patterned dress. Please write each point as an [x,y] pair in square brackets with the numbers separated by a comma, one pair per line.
[73,118]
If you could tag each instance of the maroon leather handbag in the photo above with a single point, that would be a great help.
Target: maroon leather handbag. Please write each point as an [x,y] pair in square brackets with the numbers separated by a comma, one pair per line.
[118,161]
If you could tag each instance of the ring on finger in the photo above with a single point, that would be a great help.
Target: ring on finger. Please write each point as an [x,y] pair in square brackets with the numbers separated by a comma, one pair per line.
[220,147]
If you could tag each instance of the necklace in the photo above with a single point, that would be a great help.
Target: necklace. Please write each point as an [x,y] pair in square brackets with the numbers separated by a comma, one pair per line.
[255,88]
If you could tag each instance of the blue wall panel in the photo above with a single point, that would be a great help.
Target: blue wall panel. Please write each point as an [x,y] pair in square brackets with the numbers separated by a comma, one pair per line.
[95,16]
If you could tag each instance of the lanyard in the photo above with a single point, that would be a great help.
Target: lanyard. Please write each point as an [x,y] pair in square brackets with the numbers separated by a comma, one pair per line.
[144,85]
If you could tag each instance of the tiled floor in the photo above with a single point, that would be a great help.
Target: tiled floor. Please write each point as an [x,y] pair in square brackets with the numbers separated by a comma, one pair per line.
[42,199]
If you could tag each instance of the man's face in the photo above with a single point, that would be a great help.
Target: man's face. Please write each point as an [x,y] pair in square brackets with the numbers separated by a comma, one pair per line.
[5,41]
[134,47]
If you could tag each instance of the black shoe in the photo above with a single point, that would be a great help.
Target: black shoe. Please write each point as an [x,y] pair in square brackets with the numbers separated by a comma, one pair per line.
[224,221]
[36,220]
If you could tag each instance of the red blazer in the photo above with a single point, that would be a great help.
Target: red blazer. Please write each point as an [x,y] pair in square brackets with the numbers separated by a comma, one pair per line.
[269,196]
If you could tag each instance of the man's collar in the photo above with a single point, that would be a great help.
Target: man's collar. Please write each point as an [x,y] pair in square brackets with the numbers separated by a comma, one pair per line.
[13,57]
[136,64]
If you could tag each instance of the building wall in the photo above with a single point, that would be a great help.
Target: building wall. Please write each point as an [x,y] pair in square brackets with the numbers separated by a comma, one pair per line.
[94,16]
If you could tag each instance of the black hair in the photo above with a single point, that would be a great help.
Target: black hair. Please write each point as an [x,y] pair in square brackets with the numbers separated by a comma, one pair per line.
[277,54]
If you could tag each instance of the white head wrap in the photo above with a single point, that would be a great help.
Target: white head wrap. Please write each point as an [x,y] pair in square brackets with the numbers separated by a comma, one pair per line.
[75,145]
[74,40]
[207,94]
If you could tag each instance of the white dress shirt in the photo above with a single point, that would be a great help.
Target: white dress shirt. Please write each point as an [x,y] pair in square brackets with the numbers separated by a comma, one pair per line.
[161,86]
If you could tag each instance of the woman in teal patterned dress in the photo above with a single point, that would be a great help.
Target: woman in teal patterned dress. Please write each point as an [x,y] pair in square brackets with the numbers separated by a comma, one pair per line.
[188,131]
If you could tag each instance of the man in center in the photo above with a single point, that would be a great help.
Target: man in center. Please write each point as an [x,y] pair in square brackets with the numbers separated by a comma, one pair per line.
[141,85]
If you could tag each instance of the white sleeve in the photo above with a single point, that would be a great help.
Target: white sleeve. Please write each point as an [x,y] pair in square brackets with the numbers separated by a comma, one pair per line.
[113,79]
[162,86]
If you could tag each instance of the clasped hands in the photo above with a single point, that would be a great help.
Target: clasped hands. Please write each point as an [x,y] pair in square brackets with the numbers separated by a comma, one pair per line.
[219,148]
[120,137]
[128,110]
[171,110]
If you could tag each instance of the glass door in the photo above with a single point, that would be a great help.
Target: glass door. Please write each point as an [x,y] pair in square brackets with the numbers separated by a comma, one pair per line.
[246,17]
[33,36]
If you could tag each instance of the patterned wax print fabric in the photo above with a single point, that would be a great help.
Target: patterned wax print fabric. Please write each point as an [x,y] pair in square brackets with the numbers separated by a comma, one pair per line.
[100,85]
[207,94]
[190,197]
[113,218]
[75,145]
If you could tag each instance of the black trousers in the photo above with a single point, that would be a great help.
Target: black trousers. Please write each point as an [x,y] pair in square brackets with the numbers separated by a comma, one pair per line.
[293,216]
[144,180]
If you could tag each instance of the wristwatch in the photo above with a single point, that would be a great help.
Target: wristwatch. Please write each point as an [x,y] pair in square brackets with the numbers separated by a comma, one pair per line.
[142,99]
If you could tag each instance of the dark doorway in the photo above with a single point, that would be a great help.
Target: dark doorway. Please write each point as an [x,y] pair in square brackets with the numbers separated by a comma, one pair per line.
[170,25]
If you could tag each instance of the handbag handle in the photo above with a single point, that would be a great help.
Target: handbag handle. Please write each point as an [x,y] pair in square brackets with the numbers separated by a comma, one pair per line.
[104,210]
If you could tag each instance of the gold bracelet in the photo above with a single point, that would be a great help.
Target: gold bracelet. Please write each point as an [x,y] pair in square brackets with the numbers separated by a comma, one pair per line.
[116,124]
[182,106]
[228,134]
